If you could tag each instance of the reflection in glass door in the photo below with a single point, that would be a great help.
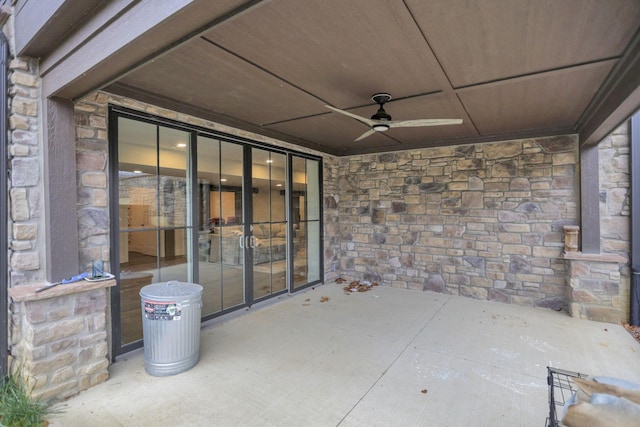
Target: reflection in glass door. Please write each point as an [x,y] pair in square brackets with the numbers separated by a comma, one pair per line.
[268,241]
[154,205]
[241,220]
[221,228]
[306,221]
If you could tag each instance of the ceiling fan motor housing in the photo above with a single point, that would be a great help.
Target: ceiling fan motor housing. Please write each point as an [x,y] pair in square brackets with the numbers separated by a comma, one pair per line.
[381,99]
[381,115]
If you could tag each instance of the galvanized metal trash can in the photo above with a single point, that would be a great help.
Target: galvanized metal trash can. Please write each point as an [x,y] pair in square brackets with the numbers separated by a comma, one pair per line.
[171,326]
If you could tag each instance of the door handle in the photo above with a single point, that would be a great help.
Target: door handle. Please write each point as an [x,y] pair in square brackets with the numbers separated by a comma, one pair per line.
[247,242]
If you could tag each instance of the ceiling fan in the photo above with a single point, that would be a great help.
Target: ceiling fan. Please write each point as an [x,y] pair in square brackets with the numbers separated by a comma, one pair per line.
[381,121]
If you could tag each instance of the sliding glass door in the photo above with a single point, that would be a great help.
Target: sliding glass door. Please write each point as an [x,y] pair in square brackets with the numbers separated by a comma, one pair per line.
[306,196]
[221,224]
[268,242]
[239,219]
[154,207]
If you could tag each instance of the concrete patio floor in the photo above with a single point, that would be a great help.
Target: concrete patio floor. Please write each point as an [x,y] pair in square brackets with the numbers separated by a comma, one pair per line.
[386,357]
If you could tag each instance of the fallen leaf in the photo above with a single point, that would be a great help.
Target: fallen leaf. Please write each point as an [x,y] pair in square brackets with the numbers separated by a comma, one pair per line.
[324,299]
[423,391]
[633,330]
[357,286]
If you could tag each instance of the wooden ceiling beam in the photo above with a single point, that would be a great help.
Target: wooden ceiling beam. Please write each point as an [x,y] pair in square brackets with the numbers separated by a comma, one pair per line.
[147,30]
[616,100]
[48,21]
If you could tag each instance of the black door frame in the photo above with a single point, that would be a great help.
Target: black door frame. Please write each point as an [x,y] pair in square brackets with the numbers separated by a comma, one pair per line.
[114,112]
[4,215]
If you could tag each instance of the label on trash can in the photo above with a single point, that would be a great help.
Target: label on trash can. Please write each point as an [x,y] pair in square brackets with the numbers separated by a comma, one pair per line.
[162,310]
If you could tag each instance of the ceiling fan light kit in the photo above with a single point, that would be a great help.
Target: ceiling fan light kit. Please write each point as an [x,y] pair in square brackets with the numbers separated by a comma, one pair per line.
[381,121]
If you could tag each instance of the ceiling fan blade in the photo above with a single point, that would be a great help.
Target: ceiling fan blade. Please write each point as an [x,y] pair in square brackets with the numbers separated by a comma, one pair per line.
[366,134]
[423,122]
[368,122]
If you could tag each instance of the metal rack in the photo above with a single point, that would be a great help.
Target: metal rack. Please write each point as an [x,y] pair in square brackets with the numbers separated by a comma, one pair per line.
[561,388]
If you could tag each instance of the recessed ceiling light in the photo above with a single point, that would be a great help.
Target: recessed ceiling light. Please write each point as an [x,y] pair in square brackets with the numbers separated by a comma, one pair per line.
[269,161]
[278,185]
[223,179]
[137,171]
[181,145]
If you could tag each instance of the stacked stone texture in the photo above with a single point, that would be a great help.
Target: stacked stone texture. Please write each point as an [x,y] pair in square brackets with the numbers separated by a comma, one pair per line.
[60,343]
[615,193]
[91,164]
[62,347]
[595,291]
[483,221]
[25,172]
[331,215]
[599,289]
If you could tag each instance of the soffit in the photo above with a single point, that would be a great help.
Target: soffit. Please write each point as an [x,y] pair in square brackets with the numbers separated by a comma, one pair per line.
[508,69]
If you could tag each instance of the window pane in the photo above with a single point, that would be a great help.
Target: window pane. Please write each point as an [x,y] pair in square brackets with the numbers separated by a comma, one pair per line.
[210,269]
[137,174]
[230,202]
[299,189]
[154,213]
[278,181]
[313,190]
[306,211]
[173,154]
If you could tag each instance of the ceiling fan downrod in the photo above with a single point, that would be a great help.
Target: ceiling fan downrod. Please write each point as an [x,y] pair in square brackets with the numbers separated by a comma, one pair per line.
[381,115]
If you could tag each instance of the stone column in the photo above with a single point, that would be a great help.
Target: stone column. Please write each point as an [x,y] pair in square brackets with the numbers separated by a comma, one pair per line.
[59,337]
[597,289]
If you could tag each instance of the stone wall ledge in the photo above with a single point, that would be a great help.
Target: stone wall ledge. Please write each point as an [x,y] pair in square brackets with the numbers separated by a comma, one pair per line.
[579,256]
[28,292]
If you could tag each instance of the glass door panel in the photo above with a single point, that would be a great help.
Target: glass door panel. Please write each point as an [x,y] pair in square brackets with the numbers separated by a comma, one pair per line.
[174,206]
[268,241]
[306,217]
[220,260]
[250,206]
[154,214]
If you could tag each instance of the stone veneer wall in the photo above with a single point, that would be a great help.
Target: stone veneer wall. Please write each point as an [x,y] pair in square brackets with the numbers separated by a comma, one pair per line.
[332,227]
[60,338]
[615,213]
[615,191]
[57,339]
[483,221]
[26,186]
[599,286]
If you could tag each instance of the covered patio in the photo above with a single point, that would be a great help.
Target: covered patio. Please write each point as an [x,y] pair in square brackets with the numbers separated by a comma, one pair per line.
[461,217]
[377,358]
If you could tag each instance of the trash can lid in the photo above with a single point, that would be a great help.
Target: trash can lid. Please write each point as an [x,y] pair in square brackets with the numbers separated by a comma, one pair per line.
[171,289]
